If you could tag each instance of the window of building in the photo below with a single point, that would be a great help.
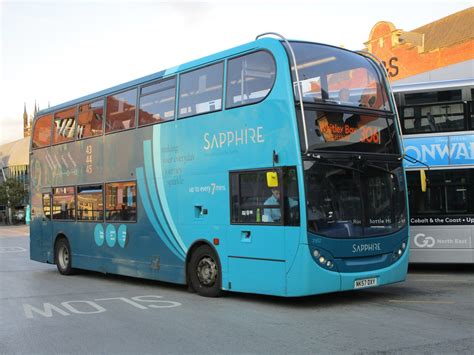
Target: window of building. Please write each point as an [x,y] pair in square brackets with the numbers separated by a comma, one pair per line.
[449,192]
[249,78]
[42,131]
[200,90]
[90,203]
[64,204]
[433,118]
[121,111]
[64,125]
[121,201]
[253,202]
[47,205]
[89,119]
[157,102]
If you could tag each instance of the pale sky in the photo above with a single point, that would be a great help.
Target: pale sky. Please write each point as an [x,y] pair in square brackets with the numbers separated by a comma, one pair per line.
[56,51]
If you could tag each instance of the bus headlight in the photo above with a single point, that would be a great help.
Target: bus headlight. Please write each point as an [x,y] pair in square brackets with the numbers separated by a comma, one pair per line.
[324,259]
[399,251]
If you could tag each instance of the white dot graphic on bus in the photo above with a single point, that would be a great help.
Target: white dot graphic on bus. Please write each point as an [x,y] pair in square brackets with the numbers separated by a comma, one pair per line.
[99,235]
[110,235]
[122,235]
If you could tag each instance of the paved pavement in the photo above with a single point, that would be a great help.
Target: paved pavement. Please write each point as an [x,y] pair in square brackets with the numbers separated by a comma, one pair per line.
[46,313]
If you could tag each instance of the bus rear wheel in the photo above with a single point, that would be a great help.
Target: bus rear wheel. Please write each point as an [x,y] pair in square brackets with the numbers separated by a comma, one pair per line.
[204,272]
[62,254]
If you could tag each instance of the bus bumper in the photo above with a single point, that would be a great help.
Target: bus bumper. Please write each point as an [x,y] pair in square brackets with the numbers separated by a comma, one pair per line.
[307,278]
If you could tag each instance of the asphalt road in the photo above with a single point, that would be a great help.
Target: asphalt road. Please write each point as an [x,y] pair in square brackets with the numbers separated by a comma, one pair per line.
[46,313]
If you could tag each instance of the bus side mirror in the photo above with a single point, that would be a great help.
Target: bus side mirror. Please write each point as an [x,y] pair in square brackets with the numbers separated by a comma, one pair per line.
[423,180]
[272,179]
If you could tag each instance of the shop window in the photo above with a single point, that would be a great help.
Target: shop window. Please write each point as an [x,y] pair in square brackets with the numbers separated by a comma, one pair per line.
[121,111]
[64,204]
[157,102]
[89,119]
[121,201]
[42,132]
[90,203]
[64,125]
[200,90]
[249,78]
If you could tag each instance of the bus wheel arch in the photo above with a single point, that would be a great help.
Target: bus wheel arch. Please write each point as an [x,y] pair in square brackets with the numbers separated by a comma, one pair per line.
[63,255]
[203,269]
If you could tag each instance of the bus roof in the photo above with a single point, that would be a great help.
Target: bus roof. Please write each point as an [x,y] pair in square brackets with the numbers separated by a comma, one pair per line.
[432,85]
[263,42]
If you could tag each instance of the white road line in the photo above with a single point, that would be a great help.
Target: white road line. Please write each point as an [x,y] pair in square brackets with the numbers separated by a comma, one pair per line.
[12,250]
[434,280]
[422,302]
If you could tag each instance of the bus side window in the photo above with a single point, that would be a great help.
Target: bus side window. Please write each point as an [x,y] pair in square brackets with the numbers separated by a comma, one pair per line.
[64,203]
[200,90]
[64,125]
[89,119]
[121,201]
[249,78]
[42,132]
[252,201]
[47,205]
[157,102]
[121,111]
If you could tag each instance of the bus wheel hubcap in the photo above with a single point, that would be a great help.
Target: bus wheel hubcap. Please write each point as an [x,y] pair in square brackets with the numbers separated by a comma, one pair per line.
[207,271]
[63,257]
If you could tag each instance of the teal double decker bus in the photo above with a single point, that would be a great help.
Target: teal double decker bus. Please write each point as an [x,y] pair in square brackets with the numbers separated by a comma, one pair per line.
[274,167]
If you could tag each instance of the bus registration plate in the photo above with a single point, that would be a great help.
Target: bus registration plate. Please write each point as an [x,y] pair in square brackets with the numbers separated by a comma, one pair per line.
[365,282]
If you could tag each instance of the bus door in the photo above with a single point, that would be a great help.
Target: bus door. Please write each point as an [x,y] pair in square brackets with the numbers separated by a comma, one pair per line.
[256,237]
[45,239]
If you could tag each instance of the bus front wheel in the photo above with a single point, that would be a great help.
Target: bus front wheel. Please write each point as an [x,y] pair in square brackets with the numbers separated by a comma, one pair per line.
[63,257]
[204,272]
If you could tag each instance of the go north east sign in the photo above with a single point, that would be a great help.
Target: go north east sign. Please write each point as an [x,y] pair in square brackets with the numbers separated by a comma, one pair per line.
[440,150]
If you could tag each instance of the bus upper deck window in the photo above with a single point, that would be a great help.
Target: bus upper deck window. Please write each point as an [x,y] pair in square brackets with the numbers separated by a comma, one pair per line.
[249,78]
[157,102]
[121,111]
[89,119]
[200,90]
[64,125]
[42,132]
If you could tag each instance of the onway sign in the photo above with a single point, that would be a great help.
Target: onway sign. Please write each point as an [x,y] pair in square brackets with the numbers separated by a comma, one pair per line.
[440,150]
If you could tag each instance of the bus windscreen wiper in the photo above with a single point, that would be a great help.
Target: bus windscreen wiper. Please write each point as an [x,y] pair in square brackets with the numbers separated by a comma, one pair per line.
[365,163]
[326,161]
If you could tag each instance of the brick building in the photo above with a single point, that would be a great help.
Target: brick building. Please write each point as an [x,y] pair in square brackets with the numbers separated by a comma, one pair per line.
[440,50]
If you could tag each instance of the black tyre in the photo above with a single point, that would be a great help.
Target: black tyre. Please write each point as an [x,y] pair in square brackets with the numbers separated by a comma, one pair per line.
[62,256]
[204,272]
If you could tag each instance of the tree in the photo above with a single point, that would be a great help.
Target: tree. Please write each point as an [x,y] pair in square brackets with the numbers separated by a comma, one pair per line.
[12,194]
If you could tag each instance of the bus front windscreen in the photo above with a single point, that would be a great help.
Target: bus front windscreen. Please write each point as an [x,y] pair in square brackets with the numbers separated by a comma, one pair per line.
[331,75]
[345,99]
[354,198]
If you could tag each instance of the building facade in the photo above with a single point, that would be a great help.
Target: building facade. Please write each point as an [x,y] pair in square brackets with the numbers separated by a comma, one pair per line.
[441,50]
